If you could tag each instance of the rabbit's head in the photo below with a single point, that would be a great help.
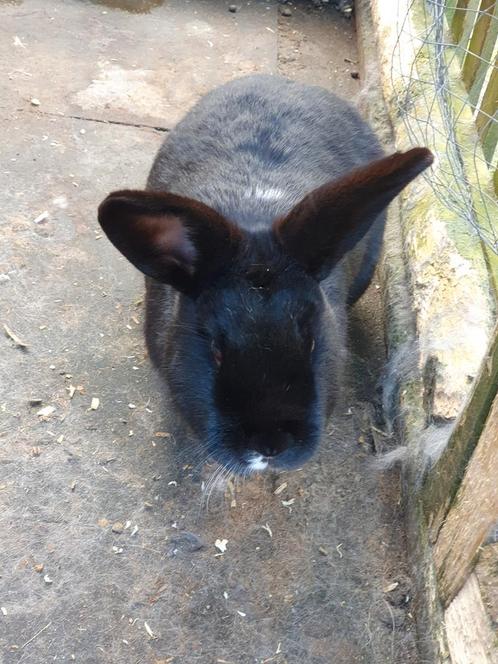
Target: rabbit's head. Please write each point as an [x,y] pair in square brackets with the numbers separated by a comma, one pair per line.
[255,346]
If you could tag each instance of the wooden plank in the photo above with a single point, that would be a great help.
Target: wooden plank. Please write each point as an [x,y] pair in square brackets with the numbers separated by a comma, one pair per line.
[458,20]
[477,40]
[468,631]
[488,107]
[487,63]
[472,515]
[442,483]
[486,572]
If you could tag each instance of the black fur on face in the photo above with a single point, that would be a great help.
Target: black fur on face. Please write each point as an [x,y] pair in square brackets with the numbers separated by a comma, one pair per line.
[260,323]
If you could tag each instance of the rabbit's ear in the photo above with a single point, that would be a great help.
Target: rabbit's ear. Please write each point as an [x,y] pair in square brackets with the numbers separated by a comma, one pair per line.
[176,240]
[330,220]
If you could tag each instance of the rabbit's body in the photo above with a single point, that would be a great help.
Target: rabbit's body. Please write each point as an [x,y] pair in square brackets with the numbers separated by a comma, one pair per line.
[263,221]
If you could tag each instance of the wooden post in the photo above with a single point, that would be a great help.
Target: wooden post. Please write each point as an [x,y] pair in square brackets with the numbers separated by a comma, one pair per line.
[472,515]
[477,41]
[468,630]
[458,20]
[443,481]
[486,111]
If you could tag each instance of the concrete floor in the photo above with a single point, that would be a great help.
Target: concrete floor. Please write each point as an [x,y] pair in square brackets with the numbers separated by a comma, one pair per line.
[88,90]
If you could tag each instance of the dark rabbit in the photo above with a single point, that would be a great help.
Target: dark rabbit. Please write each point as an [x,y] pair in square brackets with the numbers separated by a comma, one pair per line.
[273,226]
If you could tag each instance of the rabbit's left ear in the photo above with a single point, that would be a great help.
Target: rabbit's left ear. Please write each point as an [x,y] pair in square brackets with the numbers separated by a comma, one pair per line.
[332,219]
[173,239]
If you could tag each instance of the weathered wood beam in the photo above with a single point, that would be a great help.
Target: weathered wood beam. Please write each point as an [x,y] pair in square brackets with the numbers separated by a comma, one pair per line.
[472,515]
[469,633]
[442,483]
[477,41]
[458,20]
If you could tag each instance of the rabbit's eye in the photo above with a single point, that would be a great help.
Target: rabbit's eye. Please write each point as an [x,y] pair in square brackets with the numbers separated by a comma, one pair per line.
[217,354]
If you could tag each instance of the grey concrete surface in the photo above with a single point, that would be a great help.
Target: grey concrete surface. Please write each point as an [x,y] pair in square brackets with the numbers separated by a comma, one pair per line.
[107,546]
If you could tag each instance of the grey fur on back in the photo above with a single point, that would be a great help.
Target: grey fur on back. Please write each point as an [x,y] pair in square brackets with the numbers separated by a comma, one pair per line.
[261,132]
[254,147]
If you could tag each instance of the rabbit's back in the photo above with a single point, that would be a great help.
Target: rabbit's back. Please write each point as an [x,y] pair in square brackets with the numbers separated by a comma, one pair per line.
[261,139]
[252,148]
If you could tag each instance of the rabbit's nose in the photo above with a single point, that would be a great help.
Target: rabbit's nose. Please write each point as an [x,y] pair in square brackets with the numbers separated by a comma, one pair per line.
[269,451]
[263,446]
[271,445]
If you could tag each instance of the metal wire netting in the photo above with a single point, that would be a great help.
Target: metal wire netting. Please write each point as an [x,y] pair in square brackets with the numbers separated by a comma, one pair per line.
[448,100]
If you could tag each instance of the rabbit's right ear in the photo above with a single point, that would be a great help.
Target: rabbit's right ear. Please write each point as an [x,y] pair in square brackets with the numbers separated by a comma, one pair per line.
[173,239]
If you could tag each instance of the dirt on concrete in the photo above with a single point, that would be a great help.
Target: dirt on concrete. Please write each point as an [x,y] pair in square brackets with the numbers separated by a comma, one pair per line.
[109,551]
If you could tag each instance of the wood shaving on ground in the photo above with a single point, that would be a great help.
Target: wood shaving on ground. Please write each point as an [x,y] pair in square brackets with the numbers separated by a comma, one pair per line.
[392,586]
[13,337]
[288,503]
[268,529]
[150,632]
[41,217]
[46,412]
[71,389]
[221,545]
[94,404]
[338,549]
[280,488]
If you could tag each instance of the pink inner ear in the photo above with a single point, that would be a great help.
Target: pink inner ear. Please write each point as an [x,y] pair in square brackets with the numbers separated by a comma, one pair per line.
[168,237]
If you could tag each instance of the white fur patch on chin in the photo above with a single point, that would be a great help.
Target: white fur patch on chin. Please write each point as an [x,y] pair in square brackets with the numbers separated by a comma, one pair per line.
[257,463]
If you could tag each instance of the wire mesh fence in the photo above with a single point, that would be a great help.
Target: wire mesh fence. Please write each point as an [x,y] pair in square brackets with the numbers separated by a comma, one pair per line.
[448,100]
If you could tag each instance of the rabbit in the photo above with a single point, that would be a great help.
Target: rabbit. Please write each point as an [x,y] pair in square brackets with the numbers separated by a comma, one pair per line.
[261,223]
